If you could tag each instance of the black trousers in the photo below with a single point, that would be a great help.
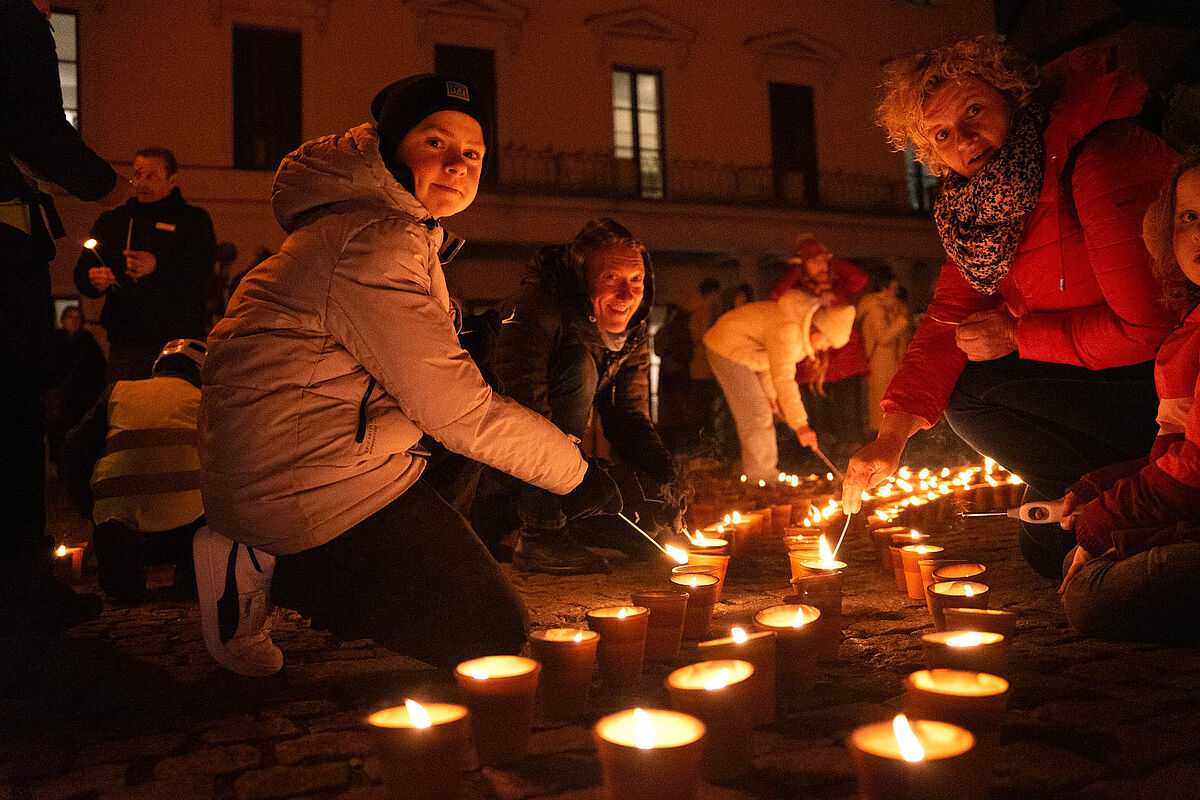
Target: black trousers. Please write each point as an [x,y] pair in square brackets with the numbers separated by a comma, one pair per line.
[1051,424]
[414,577]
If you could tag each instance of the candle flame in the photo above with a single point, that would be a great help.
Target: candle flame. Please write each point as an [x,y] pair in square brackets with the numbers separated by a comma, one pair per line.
[1015,480]
[799,620]
[622,614]
[418,714]
[829,476]
[61,551]
[743,479]
[910,746]
[824,549]
[762,483]
[478,674]
[578,637]
[968,591]
[694,579]
[736,516]
[989,464]
[782,477]
[679,556]
[643,730]
[739,635]
[968,639]
[904,472]
[718,681]
[90,244]
[924,473]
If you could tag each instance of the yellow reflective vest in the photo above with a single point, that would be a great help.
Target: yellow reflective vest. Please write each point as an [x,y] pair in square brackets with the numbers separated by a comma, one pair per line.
[149,475]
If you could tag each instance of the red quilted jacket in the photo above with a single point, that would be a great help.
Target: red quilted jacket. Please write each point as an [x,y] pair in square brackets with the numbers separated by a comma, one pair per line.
[1080,288]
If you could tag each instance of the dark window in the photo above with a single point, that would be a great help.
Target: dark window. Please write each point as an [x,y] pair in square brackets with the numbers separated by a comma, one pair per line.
[478,66]
[266,96]
[637,126]
[921,185]
[794,143]
[65,25]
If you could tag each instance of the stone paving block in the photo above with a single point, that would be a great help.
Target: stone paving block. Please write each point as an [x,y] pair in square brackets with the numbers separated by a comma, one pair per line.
[193,787]
[100,779]
[289,781]
[325,745]
[341,720]
[208,761]
[341,670]
[364,793]
[247,728]
[1041,770]
[302,708]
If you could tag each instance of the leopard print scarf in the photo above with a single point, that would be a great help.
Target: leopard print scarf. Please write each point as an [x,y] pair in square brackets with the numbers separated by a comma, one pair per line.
[980,219]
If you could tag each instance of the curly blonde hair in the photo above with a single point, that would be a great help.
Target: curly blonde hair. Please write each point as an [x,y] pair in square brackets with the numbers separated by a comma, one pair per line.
[1158,231]
[908,81]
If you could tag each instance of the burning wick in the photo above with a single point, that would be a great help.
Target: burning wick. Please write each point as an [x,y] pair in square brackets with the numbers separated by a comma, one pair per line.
[718,681]
[968,639]
[578,638]
[418,715]
[622,614]
[910,746]
[643,728]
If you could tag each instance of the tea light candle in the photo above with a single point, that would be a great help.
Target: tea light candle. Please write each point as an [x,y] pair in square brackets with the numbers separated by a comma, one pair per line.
[701,543]
[974,651]
[909,556]
[957,594]
[499,691]
[567,656]
[718,561]
[68,563]
[422,749]
[649,754]
[664,631]
[821,588]
[981,619]
[972,700]
[795,644]
[882,539]
[927,567]
[758,648]
[806,541]
[959,571]
[927,759]
[622,644]
[718,694]
[702,596]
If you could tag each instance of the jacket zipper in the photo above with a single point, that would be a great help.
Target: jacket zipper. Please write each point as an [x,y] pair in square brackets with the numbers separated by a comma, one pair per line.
[362,412]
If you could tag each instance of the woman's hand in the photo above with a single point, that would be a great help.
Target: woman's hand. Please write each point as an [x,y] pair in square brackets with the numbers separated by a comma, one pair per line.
[871,465]
[986,335]
[1069,503]
[1081,557]
[807,436]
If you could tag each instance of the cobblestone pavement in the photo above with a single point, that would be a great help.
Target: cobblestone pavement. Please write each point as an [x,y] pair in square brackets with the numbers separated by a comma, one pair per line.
[131,705]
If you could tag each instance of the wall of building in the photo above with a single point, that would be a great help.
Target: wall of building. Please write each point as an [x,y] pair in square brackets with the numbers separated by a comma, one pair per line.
[159,72]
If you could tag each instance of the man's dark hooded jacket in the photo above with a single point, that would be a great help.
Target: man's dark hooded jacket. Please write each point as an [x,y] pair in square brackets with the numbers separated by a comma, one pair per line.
[553,311]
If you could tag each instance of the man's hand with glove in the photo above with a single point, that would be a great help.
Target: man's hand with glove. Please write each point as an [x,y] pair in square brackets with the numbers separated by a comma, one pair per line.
[597,493]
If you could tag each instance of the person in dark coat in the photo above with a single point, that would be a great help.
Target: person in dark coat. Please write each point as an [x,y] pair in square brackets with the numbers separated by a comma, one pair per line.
[75,378]
[575,339]
[152,263]
[34,130]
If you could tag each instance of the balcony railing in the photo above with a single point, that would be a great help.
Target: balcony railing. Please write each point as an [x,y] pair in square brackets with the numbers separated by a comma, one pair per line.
[583,174]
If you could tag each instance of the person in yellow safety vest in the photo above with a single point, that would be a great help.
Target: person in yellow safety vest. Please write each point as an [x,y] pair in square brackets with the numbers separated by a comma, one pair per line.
[132,467]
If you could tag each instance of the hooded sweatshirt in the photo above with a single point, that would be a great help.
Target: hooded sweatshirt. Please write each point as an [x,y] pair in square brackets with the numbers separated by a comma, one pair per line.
[1080,284]
[553,311]
[337,354]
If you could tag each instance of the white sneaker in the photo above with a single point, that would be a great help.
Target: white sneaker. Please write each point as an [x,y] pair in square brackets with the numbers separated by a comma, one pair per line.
[233,581]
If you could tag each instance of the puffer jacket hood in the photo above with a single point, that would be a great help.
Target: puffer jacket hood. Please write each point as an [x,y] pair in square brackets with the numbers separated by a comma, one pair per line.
[555,272]
[1085,92]
[338,173]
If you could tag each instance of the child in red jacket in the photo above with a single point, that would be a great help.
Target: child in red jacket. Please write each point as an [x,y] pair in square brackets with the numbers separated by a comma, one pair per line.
[1137,525]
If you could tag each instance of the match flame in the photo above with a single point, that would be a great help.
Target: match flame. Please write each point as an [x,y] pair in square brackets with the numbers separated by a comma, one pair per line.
[578,638]
[968,639]
[824,549]
[61,551]
[418,714]
[1015,480]
[643,730]
[679,556]
[739,635]
[736,516]
[798,622]
[718,681]
[910,746]
[700,538]
[91,244]
[622,613]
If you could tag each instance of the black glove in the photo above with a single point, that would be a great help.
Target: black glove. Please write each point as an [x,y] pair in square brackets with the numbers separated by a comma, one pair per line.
[597,493]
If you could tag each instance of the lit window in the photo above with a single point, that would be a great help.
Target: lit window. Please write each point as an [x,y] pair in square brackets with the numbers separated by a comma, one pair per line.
[637,126]
[66,44]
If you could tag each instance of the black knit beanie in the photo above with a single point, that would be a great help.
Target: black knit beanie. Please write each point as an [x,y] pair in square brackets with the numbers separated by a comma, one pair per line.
[400,107]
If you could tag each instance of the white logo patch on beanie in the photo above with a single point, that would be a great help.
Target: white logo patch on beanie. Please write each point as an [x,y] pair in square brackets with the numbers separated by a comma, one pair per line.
[458,91]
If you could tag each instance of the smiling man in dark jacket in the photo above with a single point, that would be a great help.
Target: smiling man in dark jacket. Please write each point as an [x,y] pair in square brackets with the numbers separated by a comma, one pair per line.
[575,339]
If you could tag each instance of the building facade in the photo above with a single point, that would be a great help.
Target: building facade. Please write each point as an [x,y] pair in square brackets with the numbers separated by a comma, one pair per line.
[715,132]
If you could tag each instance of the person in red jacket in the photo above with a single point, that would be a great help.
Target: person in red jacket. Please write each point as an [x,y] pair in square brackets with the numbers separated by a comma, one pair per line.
[836,404]
[1039,341]
[1133,574]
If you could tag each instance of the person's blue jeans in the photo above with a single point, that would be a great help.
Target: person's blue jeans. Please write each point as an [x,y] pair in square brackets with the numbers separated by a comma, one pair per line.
[1051,424]
[572,377]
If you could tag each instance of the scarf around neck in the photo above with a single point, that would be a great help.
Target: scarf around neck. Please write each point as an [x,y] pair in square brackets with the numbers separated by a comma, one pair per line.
[980,219]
